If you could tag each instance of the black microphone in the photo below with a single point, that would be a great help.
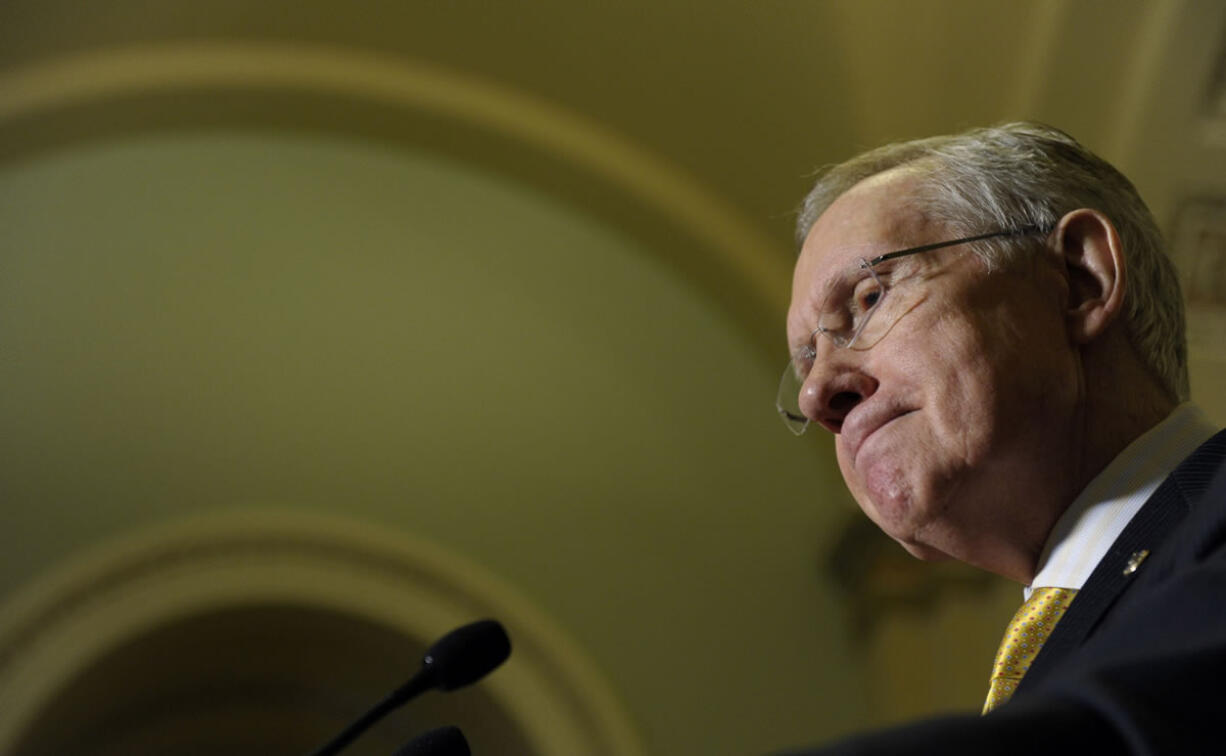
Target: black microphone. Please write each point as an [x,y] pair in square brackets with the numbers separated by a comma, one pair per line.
[459,658]
[465,655]
[441,741]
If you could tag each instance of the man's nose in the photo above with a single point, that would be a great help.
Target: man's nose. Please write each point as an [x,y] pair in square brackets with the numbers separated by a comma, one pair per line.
[833,388]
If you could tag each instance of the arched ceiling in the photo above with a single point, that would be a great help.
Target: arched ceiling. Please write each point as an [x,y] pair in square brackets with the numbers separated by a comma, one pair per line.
[746,97]
[742,100]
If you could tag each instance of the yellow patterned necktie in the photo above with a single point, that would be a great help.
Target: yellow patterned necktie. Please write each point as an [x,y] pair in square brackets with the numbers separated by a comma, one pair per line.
[1023,639]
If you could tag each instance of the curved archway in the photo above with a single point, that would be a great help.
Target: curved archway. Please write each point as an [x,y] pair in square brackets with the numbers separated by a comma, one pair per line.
[108,93]
[250,593]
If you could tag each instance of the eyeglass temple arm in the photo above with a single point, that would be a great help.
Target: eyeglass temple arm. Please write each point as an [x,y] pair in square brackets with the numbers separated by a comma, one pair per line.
[1023,231]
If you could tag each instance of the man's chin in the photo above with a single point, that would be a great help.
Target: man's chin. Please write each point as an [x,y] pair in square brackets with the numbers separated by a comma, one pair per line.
[923,551]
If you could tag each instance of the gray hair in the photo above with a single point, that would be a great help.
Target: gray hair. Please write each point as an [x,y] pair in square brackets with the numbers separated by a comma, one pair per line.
[1029,174]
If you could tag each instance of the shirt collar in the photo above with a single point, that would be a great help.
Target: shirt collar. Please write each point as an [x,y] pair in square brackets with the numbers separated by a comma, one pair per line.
[1086,530]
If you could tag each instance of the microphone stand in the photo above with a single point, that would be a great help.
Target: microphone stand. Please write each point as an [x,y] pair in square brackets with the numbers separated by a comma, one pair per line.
[420,683]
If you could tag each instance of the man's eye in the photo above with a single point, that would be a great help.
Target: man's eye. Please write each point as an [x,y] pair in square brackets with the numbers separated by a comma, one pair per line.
[867,295]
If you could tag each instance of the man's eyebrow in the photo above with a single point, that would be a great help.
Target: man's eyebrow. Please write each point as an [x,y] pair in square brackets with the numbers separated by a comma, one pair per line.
[795,345]
[912,261]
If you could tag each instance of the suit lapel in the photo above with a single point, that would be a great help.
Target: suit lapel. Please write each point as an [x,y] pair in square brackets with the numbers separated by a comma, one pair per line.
[1165,509]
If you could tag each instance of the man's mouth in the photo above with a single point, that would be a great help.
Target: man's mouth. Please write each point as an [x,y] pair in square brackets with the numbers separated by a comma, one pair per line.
[863,427]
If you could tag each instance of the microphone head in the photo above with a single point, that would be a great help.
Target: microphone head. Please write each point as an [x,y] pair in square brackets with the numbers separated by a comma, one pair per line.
[441,741]
[466,654]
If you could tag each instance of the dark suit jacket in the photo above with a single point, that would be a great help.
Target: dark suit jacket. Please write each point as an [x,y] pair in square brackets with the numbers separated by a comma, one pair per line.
[1138,663]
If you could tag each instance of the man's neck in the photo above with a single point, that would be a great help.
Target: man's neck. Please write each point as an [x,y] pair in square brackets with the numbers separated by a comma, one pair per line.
[1123,400]
[1084,533]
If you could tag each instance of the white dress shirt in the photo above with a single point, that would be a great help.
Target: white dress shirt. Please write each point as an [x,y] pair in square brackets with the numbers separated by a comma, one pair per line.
[1086,530]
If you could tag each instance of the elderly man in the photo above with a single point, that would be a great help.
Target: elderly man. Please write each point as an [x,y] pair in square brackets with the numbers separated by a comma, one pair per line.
[989,326]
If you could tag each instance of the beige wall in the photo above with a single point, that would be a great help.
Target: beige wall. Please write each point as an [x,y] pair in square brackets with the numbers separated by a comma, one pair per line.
[203,322]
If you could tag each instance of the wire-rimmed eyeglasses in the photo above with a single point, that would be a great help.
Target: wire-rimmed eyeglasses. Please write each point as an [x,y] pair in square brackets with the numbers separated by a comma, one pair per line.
[857,311]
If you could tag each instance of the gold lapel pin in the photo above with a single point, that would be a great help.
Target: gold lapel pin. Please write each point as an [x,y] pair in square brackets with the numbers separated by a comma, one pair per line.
[1135,560]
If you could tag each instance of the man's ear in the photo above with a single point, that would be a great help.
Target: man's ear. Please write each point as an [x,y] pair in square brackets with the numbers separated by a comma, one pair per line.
[1094,259]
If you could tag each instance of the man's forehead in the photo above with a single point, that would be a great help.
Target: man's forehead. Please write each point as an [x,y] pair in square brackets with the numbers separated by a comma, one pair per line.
[879,213]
